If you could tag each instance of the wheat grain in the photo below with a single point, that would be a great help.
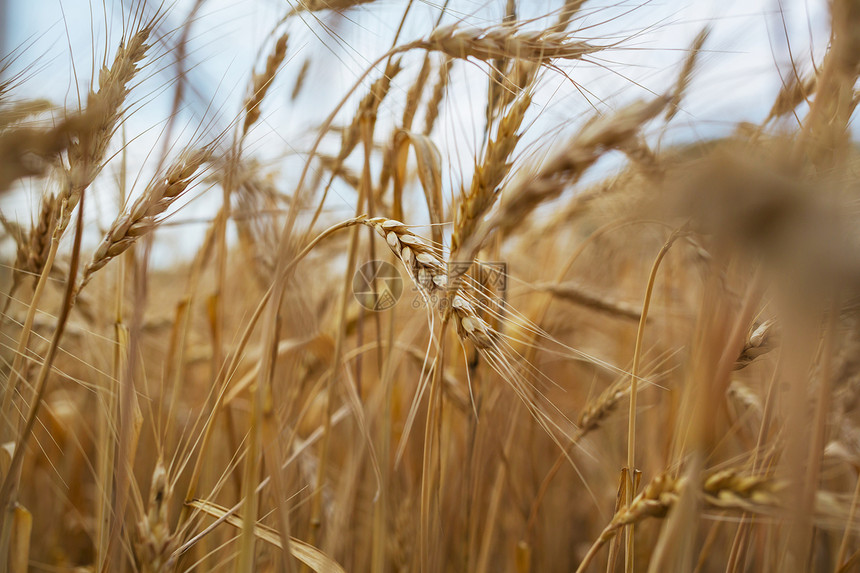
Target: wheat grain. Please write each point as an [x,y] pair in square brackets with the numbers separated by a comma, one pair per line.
[761,340]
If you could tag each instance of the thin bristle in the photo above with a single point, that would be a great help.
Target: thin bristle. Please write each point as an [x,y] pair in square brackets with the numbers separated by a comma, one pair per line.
[409,286]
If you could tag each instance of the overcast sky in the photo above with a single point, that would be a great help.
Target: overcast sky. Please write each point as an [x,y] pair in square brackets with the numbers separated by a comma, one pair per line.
[739,75]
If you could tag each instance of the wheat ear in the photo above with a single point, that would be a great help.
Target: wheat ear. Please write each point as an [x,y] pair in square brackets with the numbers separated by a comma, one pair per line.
[143,215]
[105,108]
[429,273]
[487,44]
[262,81]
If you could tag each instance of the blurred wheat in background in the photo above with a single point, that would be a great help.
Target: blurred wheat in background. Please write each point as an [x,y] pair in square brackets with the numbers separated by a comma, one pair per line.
[411,286]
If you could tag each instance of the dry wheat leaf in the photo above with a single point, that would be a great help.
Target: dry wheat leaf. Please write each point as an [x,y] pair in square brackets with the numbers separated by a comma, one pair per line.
[429,174]
[304,552]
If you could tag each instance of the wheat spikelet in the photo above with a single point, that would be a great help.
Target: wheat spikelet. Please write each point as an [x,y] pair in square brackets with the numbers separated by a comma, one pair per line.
[109,99]
[301,78]
[33,246]
[499,69]
[368,108]
[521,74]
[337,169]
[14,112]
[334,5]
[793,92]
[413,95]
[597,411]
[257,202]
[686,73]
[825,127]
[761,340]
[579,295]
[565,16]
[413,99]
[729,489]
[732,489]
[28,151]
[744,396]
[40,235]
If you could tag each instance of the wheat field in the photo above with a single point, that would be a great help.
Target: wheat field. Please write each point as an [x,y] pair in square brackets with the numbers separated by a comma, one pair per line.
[474,291]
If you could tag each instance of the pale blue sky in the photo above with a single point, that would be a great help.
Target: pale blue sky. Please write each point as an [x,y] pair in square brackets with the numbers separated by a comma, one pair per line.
[737,79]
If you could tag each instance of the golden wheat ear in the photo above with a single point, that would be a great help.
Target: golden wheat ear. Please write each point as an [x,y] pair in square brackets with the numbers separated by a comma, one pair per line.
[143,216]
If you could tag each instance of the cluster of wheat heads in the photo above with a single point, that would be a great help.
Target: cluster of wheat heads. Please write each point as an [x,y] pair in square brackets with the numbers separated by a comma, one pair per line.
[661,376]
